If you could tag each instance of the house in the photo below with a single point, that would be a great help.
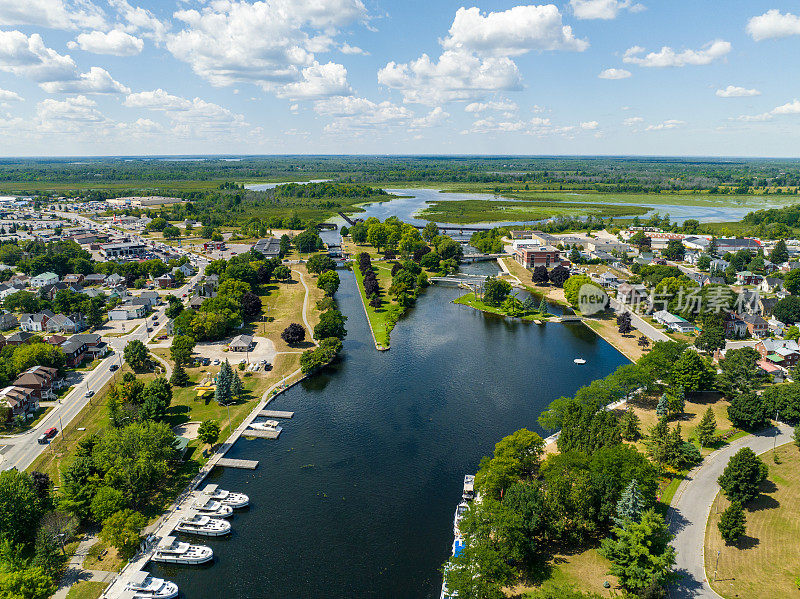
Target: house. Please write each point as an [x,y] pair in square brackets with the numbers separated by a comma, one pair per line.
[186,269]
[94,279]
[537,255]
[75,279]
[74,352]
[777,374]
[20,400]
[789,266]
[735,327]
[766,305]
[165,281]
[45,278]
[756,326]
[55,340]
[35,322]
[8,321]
[152,297]
[95,346]
[65,324]
[608,279]
[20,279]
[196,301]
[771,284]
[718,265]
[119,292]
[745,277]
[40,380]
[241,343]
[49,291]
[776,326]
[19,338]
[631,294]
[114,280]
[127,312]
[6,290]
[783,352]
[671,321]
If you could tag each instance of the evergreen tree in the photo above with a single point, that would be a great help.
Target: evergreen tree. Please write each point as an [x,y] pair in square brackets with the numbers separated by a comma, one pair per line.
[712,247]
[662,408]
[732,523]
[223,391]
[179,377]
[742,477]
[630,426]
[707,428]
[237,388]
[543,307]
[780,254]
[676,401]
[630,505]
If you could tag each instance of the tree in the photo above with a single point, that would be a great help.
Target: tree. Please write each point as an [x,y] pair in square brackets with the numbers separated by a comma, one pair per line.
[319,263]
[742,477]
[328,281]
[624,325]
[251,305]
[704,262]
[791,282]
[707,428]
[156,398]
[779,253]
[787,310]
[137,356]
[662,407]
[540,275]
[712,247]
[314,359]
[20,506]
[222,392]
[179,377]
[559,276]
[792,333]
[122,530]
[181,349]
[294,333]
[377,235]
[693,373]
[629,426]
[376,301]
[676,399]
[27,583]
[731,524]
[237,388]
[712,335]
[331,324]
[516,456]
[107,502]
[630,505]
[748,410]
[282,273]
[208,432]
[740,371]
[495,291]
[674,250]
[286,245]
[575,255]
[171,232]
[430,232]
[640,553]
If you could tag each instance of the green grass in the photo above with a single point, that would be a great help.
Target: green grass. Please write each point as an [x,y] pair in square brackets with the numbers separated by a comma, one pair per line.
[381,320]
[86,589]
[472,301]
[102,557]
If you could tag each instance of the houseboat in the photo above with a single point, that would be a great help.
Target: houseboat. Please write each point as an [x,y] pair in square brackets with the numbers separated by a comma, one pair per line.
[198,524]
[213,508]
[145,586]
[172,551]
[235,500]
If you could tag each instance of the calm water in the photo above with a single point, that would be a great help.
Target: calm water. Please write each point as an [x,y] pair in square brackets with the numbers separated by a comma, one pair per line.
[356,498]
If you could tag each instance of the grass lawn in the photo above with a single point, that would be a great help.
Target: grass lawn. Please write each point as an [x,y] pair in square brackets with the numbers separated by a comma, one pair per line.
[11,429]
[553,294]
[585,570]
[381,320]
[86,590]
[765,563]
[101,557]
[473,302]
[605,325]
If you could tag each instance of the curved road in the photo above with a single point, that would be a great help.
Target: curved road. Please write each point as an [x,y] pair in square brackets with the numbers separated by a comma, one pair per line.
[691,506]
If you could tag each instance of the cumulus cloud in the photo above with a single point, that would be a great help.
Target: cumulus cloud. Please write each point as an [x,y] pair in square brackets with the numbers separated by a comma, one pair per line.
[512,32]
[185,112]
[72,115]
[136,19]
[52,14]
[348,49]
[96,81]
[435,117]
[734,91]
[9,96]
[265,43]
[602,9]
[29,57]
[590,125]
[319,81]
[500,106]
[789,108]
[116,43]
[773,24]
[667,57]
[614,74]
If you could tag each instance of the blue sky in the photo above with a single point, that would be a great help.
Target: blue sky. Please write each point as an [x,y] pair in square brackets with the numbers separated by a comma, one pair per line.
[120,77]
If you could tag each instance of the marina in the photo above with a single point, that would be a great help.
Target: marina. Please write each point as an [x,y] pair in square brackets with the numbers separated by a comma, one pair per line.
[172,551]
[234,463]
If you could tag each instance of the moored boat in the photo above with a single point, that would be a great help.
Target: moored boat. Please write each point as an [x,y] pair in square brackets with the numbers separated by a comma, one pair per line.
[266,425]
[579,361]
[198,524]
[461,511]
[144,586]
[235,500]
[211,507]
[172,551]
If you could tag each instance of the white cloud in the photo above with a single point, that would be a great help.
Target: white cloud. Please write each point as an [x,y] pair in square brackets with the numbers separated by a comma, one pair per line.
[348,49]
[9,96]
[773,24]
[52,14]
[500,106]
[512,32]
[72,115]
[96,81]
[667,57]
[602,9]
[29,57]
[668,124]
[789,108]
[184,112]
[138,19]
[352,113]
[433,118]
[590,125]
[733,91]
[631,121]
[614,74]
[265,43]
[116,43]
[319,81]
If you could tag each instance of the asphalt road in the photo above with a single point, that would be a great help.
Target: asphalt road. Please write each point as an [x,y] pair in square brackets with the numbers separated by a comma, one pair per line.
[691,506]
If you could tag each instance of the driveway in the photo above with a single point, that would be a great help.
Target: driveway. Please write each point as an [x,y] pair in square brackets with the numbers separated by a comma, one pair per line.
[264,349]
[691,506]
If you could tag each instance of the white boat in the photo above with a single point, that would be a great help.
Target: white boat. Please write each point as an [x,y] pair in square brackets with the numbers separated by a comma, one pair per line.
[469,487]
[579,361]
[144,586]
[211,507]
[461,511]
[172,551]
[235,500]
[267,425]
[198,524]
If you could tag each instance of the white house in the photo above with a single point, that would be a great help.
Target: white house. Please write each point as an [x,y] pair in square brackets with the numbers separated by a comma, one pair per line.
[45,278]
[676,323]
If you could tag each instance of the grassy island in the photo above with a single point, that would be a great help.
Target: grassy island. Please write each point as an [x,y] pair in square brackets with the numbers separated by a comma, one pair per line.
[471,300]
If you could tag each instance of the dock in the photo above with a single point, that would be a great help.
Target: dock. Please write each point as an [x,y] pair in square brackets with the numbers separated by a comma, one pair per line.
[251,432]
[234,463]
[276,414]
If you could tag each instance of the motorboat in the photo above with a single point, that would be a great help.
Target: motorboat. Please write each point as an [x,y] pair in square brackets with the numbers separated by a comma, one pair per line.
[173,551]
[235,500]
[198,524]
[579,361]
[266,425]
[469,487]
[145,586]
[213,508]
[461,511]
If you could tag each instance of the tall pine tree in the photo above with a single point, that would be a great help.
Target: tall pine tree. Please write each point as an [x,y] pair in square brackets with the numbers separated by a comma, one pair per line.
[707,428]
[223,391]
[237,388]
[630,505]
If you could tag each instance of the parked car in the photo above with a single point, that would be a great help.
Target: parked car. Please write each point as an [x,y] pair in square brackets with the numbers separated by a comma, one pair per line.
[89,393]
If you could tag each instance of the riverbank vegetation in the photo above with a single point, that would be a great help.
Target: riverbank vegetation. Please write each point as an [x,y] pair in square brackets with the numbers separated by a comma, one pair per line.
[528,309]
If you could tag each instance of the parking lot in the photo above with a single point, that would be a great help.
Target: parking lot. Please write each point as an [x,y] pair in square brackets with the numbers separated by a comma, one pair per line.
[263,349]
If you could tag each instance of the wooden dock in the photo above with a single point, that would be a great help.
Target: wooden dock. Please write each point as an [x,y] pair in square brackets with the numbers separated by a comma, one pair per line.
[233,463]
[276,414]
[250,432]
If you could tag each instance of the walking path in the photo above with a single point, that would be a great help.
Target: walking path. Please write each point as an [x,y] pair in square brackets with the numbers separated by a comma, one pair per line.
[75,573]
[691,506]
[305,307]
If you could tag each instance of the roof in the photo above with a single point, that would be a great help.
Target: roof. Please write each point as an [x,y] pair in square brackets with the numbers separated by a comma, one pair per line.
[20,336]
[70,346]
[86,338]
[670,318]
[242,340]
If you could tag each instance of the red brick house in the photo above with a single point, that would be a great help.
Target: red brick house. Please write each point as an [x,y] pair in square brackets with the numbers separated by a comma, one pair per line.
[40,380]
[531,256]
[20,400]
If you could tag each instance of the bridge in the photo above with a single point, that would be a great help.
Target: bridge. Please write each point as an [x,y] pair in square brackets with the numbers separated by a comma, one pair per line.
[469,258]
[349,220]
[459,228]
[469,281]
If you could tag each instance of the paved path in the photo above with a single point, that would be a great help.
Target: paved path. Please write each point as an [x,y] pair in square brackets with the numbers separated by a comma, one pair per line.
[75,573]
[691,506]
[305,307]
[640,323]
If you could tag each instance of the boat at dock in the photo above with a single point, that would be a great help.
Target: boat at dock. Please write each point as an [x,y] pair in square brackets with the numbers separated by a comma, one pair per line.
[213,508]
[467,495]
[235,500]
[197,524]
[173,551]
[266,425]
[141,585]
[461,511]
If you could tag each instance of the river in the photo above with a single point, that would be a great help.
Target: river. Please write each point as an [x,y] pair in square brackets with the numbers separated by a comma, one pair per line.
[356,498]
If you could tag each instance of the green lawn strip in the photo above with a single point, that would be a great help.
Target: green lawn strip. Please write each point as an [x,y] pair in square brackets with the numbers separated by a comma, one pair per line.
[86,589]
[470,300]
[102,557]
[381,320]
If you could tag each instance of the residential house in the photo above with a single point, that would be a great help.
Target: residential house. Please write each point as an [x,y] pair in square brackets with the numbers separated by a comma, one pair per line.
[49,291]
[35,322]
[45,278]
[186,269]
[165,281]
[95,346]
[631,294]
[718,265]
[608,279]
[55,340]
[789,266]
[8,321]
[19,338]
[114,280]
[152,297]
[766,305]
[119,292]
[74,352]
[20,399]
[784,352]
[196,301]
[94,279]
[771,284]
[745,277]
[60,323]
[41,380]
[127,312]
[735,327]
[20,279]
[776,326]
[776,373]
[533,256]
[671,321]
[241,343]
[74,279]
[756,326]
[6,290]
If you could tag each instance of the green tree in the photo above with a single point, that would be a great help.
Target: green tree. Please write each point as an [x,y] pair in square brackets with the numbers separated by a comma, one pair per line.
[731,524]
[779,253]
[222,392]
[662,407]
[495,291]
[156,398]
[630,505]
[792,333]
[179,377]
[787,310]
[430,232]
[707,428]
[27,583]
[20,506]
[171,232]
[748,410]
[123,531]
[516,456]
[328,281]
[674,250]
[742,477]
[181,349]
[282,273]
[630,426]
[712,335]
[320,263]
[740,371]
[208,432]
[107,502]
[693,373]
[331,324]
[676,400]
[640,554]
[137,356]
[237,388]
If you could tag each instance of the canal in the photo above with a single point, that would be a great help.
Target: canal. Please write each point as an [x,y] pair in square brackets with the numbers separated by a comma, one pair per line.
[356,498]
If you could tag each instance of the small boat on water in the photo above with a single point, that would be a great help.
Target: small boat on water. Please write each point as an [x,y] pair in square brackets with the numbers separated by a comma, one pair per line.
[461,511]
[173,551]
[211,507]
[579,361]
[145,586]
[197,524]
[235,500]
[469,487]
[266,425]
[458,547]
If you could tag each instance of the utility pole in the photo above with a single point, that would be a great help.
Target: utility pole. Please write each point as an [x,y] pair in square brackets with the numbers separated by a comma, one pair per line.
[716,566]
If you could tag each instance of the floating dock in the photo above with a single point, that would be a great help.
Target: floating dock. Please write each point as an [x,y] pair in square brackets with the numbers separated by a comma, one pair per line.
[233,463]
[276,414]
[251,432]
